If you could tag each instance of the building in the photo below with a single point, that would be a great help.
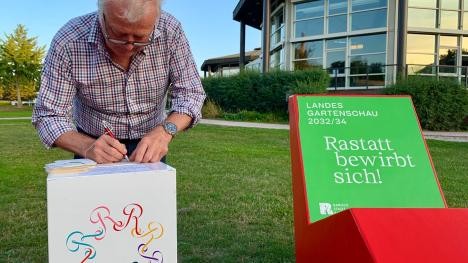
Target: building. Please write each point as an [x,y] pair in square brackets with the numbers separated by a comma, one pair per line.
[229,65]
[362,43]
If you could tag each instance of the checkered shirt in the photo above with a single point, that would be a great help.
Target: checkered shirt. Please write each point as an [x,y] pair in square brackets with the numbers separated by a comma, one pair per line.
[81,86]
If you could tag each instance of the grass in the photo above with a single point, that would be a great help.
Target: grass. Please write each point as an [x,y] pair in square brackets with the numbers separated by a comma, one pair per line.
[450,161]
[234,192]
[8,111]
[22,187]
[253,116]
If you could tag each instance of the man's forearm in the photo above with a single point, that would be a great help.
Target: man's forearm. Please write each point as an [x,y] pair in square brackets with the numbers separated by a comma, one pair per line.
[182,121]
[75,142]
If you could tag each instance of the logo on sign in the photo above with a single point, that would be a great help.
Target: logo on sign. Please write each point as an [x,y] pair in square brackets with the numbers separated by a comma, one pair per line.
[326,209]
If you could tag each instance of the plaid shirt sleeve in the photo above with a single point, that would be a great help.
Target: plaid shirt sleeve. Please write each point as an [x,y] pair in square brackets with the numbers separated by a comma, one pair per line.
[187,95]
[52,113]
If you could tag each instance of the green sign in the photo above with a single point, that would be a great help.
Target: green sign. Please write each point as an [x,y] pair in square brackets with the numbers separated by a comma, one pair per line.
[364,152]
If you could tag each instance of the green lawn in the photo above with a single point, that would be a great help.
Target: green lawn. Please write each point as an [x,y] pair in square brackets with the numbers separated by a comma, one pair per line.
[234,192]
[6,111]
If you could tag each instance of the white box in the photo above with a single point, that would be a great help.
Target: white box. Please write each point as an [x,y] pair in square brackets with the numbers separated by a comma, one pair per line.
[124,212]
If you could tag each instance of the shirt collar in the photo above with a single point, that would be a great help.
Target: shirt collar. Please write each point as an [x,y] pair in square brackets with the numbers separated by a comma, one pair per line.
[95,34]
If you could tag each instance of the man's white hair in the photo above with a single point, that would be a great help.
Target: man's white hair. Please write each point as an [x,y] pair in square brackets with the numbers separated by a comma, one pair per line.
[135,9]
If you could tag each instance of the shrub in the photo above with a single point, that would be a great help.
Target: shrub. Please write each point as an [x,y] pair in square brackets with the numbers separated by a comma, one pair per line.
[255,116]
[310,83]
[440,104]
[263,93]
[211,109]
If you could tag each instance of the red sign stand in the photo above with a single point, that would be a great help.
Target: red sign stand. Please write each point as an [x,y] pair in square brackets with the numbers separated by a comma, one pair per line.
[374,234]
[385,235]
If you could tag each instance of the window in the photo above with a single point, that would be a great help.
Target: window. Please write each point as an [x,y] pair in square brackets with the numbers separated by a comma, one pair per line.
[421,18]
[367,60]
[418,61]
[465,21]
[465,46]
[309,28]
[277,37]
[423,3]
[359,5]
[337,7]
[308,54]
[309,18]
[337,24]
[448,56]
[309,9]
[448,41]
[424,44]
[449,14]
[337,16]
[369,19]
[311,49]
[360,59]
[255,65]
[424,13]
[368,14]
[367,80]
[449,19]
[362,64]
[448,53]
[449,4]
[277,27]
[336,43]
[420,54]
[464,61]
[277,59]
[336,61]
[336,55]
[368,44]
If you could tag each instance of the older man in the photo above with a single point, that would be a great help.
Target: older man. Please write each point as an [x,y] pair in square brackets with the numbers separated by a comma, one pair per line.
[117,66]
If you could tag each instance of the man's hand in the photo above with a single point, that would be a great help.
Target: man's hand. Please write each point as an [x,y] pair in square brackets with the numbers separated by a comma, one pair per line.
[106,149]
[152,147]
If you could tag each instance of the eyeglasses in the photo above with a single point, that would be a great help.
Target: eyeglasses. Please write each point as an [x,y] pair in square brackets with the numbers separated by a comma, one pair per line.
[123,42]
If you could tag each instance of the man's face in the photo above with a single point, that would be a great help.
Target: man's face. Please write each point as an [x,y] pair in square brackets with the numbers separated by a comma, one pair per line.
[118,28]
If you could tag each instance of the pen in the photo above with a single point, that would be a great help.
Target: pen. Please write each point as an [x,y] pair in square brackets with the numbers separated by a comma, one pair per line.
[108,130]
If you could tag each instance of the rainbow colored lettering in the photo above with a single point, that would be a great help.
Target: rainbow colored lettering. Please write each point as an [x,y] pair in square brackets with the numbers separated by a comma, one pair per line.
[101,216]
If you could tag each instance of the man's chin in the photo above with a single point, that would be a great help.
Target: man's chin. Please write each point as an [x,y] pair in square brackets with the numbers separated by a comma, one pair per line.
[128,55]
[124,53]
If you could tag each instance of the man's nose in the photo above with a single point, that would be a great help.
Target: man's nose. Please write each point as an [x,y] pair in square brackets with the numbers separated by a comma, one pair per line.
[129,46]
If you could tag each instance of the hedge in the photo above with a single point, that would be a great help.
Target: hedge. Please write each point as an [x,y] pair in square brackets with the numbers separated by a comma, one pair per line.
[264,93]
[440,104]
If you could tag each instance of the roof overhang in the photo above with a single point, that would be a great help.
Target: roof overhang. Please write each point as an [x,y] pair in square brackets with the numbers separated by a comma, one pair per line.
[250,12]
[231,60]
[215,63]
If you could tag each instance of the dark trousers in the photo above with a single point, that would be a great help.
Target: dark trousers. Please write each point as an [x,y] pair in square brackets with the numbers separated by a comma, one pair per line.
[129,144]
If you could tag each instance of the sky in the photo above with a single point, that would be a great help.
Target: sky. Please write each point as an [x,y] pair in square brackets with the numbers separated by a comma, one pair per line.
[208,24]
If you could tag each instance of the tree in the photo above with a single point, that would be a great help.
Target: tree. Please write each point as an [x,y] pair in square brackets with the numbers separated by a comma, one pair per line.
[20,61]
[27,88]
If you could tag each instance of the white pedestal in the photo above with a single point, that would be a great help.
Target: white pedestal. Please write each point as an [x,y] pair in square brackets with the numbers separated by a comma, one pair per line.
[121,212]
